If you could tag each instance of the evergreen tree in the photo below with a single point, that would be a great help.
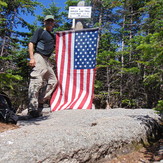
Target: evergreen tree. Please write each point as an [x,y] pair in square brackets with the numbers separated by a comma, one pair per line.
[11,77]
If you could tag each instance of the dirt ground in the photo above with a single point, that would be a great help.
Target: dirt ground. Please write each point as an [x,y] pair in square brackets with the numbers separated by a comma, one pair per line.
[148,154]
[4,127]
[144,155]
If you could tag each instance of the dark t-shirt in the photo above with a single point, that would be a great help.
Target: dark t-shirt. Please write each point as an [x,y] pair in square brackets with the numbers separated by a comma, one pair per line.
[44,42]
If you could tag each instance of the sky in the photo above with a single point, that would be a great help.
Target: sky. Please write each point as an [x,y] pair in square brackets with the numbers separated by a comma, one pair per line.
[30,19]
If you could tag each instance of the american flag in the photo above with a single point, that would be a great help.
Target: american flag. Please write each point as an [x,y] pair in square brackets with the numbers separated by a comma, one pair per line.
[76,60]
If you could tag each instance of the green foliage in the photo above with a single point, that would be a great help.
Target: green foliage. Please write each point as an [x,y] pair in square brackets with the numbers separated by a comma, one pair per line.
[98,84]
[128,103]
[2,4]
[71,3]
[150,79]
[10,19]
[52,10]
[8,81]
[151,57]
[133,70]
[159,107]
[154,22]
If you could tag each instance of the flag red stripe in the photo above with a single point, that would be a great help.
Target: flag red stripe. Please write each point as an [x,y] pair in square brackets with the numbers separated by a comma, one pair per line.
[56,56]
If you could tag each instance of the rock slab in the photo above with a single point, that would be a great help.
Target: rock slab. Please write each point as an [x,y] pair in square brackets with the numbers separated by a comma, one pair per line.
[77,136]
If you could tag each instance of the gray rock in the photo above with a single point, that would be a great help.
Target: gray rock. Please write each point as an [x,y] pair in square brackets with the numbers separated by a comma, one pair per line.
[77,136]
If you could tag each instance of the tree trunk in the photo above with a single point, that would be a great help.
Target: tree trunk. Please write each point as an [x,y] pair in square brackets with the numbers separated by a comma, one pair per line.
[3,46]
[131,21]
[122,60]
[108,84]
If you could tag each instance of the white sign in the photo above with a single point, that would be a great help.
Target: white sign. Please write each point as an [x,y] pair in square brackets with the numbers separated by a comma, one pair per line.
[81,12]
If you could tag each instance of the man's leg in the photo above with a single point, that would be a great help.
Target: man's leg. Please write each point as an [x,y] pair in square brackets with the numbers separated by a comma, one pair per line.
[36,82]
[33,93]
[51,84]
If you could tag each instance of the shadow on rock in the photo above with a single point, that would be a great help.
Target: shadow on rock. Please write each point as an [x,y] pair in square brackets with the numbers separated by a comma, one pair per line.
[153,127]
[26,120]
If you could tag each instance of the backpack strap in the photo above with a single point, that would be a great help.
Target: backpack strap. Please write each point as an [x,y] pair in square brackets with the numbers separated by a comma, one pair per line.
[41,31]
[7,99]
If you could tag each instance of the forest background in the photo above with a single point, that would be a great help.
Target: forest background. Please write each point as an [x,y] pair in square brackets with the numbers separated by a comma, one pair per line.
[129,70]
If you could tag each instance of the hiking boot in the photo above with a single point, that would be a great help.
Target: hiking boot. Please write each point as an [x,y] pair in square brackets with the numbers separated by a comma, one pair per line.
[41,105]
[40,108]
[35,113]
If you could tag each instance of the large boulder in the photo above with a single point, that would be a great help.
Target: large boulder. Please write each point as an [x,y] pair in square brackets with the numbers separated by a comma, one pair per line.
[78,136]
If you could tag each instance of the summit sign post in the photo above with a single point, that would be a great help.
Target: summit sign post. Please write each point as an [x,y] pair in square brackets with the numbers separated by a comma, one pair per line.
[78,13]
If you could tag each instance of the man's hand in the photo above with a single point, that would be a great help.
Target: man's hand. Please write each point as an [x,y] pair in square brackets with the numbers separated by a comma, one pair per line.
[32,62]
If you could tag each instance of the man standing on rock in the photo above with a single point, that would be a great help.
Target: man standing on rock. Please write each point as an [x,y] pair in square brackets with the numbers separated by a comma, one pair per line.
[41,47]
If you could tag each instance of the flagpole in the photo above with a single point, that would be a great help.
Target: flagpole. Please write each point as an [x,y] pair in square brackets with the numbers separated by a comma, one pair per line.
[73,24]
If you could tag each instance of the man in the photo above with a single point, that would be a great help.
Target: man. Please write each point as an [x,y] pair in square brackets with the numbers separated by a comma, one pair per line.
[41,47]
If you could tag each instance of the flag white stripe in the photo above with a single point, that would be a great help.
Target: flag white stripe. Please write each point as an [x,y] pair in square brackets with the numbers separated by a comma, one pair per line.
[59,54]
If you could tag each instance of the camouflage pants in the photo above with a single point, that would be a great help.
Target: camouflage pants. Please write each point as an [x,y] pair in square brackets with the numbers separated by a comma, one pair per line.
[42,73]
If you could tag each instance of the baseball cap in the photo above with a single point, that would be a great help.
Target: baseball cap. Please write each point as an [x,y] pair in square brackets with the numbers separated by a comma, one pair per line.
[49,17]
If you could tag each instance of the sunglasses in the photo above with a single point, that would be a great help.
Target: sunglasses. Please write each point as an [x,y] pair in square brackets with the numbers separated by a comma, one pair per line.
[49,20]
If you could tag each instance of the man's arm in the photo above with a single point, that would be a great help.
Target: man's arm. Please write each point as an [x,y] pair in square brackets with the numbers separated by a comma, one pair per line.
[32,61]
